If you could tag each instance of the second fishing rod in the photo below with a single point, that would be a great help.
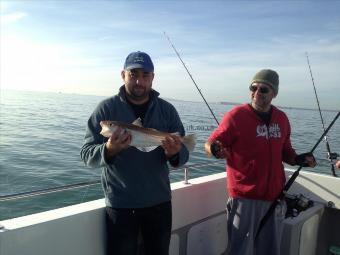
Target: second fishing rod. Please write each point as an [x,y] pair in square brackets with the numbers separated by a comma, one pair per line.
[331,156]
[290,182]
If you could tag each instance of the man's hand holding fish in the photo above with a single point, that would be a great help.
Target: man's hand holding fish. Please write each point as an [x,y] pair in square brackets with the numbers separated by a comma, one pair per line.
[119,140]
[172,145]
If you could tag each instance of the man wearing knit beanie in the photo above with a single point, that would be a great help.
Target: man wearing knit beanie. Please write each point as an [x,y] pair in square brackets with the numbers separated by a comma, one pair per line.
[254,138]
[268,77]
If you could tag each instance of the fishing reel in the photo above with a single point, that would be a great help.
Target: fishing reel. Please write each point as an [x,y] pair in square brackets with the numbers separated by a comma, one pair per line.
[297,204]
[332,156]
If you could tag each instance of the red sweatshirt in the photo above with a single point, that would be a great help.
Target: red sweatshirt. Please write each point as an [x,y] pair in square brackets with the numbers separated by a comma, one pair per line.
[254,167]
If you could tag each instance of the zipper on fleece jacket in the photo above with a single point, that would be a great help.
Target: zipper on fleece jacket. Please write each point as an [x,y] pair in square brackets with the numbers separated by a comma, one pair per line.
[270,158]
[269,149]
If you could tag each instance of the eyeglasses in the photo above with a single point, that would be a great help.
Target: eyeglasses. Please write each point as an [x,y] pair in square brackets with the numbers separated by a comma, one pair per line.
[262,90]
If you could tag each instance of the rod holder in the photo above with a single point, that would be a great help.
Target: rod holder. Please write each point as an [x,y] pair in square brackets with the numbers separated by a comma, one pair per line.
[186,176]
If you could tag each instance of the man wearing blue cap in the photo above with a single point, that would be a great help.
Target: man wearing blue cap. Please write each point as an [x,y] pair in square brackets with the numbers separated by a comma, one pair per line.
[136,183]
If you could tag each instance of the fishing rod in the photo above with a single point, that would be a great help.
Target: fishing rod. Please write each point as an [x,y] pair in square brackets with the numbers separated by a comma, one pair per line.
[191,77]
[330,155]
[290,182]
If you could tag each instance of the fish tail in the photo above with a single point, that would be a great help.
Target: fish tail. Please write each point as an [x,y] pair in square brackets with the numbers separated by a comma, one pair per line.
[190,142]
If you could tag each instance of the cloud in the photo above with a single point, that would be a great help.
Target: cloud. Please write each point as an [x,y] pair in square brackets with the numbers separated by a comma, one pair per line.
[11,18]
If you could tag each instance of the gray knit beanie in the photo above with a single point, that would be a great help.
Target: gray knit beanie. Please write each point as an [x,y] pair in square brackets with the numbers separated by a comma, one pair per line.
[269,77]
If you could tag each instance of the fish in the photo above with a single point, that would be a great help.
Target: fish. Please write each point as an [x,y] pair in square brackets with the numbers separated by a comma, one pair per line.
[144,139]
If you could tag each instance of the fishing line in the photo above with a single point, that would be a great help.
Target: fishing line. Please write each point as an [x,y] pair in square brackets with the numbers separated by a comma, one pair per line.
[290,182]
[191,77]
[323,124]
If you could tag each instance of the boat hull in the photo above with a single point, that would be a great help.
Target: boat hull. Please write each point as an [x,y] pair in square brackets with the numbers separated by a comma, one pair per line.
[199,222]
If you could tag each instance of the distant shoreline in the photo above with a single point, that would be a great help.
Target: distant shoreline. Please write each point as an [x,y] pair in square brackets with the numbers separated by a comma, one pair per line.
[170,99]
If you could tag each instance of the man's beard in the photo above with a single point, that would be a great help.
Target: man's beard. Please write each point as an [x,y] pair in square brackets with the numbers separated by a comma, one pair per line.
[139,94]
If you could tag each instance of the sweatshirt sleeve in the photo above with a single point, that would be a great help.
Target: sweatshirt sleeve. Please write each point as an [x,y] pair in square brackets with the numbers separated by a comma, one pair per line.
[288,153]
[225,132]
[93,149]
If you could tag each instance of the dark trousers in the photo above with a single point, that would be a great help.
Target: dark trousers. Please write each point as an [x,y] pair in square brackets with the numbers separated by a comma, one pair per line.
[124,225]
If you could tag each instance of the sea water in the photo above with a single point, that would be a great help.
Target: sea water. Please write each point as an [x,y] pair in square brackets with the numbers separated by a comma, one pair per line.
[41,135]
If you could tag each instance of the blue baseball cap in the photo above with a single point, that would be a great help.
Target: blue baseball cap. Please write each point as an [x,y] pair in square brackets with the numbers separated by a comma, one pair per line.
[138,59]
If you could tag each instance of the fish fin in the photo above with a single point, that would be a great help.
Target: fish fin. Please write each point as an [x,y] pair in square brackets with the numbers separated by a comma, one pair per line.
[190,142]
[137,122]
[147,149]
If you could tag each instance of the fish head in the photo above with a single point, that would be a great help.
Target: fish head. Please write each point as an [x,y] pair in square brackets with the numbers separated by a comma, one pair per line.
[108,128]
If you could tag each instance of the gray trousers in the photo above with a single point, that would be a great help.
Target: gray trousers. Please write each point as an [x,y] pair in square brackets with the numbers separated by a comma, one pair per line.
[244,216]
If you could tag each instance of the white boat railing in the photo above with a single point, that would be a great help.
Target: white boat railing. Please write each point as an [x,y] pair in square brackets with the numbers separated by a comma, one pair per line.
[78,185]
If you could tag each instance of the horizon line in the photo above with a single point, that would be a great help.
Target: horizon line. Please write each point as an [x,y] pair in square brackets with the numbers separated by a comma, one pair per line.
[167,98]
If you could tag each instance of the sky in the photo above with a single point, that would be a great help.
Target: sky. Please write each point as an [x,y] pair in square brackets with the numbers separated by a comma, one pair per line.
[80,47]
